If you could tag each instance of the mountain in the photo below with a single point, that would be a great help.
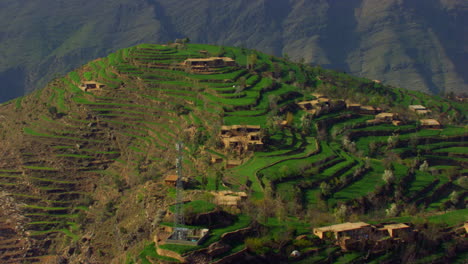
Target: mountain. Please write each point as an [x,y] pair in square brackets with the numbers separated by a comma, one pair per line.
[419,45]
[270,151]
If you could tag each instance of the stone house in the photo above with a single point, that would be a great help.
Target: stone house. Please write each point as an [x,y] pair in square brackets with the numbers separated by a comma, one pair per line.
[396,230]
[90,85]
[171,180]
[241,137]
[419,109]
[363,109]
[358,230]
[204,64]
[430,124]
[385,118]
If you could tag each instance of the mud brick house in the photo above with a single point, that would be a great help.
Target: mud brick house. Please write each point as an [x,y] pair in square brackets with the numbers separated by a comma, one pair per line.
[241,137]
[232,163]
[419,109]
[397,230]
[356,231]
[321,105]
[229,198]
[363,109]
[171,180]
[216,159]
[430,123]
[91,85]
[385,118]
[204,64]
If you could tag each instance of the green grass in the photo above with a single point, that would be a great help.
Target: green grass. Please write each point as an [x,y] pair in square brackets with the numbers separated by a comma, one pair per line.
[451,218]
[365,185]
[40,168]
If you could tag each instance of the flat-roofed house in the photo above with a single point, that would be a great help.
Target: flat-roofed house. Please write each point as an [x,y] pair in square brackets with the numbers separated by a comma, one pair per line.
[171,180]
[363,109]
[321,105]
[353,107]
[355,231]
[91,85]
[318,95]
[233,163]
[385,118]
[419,109]
[204,64]
[397,230]
[241,137]
[430,123]
[229,198]
[216,159]
[368,110]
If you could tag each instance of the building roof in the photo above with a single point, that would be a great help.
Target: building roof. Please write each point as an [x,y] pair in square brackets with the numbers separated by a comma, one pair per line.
[210,59]
[368,107]
[171,177]
[396,226]
[240,126]
[417,107]
[429,122]
[385,115]
[234,162]
[318,95]
[342,227]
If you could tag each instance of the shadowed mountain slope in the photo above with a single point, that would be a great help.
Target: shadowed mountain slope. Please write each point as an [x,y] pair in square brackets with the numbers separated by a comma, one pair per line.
[418,45]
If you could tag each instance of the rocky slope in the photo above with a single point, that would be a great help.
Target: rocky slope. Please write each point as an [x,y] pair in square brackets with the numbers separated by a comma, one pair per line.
[418,45]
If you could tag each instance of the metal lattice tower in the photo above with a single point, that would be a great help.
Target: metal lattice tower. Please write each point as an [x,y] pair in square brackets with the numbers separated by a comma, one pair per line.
[179,219]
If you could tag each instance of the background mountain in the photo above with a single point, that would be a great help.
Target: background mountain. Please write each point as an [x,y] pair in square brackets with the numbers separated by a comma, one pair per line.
[417,44]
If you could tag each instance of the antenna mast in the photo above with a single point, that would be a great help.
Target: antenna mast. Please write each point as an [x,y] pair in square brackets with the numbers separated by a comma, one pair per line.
[179,212]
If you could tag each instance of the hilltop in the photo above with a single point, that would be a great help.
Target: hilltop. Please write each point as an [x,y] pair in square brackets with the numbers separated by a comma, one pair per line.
[87,161]
[397,42]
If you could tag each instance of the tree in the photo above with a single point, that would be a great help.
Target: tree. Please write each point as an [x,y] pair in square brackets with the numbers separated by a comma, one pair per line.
[273,102]
[325,188]
[53,111]
[289,118]
[424,166]
[454,197]
[388,177]
[292,76]
[306,123]
[218,179]
[276,70]
[392,210]
[392,141]
[341,213]
[251,61]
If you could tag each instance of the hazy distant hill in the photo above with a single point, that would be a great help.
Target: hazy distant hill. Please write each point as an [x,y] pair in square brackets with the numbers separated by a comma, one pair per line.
[416,44]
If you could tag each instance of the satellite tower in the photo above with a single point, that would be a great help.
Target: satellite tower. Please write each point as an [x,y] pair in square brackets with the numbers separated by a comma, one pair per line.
[179,232]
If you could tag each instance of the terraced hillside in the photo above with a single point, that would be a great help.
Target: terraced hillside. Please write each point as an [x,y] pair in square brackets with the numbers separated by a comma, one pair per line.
[82,169]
